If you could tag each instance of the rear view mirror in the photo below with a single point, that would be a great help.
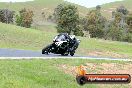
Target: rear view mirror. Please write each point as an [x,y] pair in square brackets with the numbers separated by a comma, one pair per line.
[79,40]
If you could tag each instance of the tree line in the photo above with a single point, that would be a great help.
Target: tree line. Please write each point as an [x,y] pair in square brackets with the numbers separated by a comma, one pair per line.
[118,28]
[94,24]
[24,18]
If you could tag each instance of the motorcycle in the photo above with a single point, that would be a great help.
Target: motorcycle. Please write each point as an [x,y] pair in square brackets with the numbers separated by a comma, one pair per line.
[62,44]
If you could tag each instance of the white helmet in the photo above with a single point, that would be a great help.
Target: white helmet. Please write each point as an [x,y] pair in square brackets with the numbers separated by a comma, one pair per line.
[72,36]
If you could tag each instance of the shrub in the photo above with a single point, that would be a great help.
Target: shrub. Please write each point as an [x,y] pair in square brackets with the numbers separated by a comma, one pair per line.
[25,18]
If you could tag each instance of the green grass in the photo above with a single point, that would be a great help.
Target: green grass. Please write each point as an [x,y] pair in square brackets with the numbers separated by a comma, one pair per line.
[42,74]
[32,4]
[12,36]
[106,45]
[34,74]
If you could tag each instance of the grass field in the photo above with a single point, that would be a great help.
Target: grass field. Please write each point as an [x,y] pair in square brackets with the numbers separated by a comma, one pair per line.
[48,73]
[12,36]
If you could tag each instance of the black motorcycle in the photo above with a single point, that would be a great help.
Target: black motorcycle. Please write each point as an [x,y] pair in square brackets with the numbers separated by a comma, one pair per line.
[62,44]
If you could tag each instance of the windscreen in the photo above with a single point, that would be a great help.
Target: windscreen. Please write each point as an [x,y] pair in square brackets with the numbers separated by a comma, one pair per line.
[60,38]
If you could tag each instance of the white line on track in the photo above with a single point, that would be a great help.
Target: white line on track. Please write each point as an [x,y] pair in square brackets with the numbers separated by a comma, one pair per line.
[90,58]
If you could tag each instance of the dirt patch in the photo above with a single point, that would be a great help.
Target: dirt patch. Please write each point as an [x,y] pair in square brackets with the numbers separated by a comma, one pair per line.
[106,54]
[99,68]
[102,68]
[101,53]
[68,69]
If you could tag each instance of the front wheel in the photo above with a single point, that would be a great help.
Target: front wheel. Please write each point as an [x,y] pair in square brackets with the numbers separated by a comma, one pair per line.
[72,53]
[46,49]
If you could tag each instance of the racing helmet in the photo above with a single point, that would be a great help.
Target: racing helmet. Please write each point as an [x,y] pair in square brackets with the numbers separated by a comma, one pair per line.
[72,36]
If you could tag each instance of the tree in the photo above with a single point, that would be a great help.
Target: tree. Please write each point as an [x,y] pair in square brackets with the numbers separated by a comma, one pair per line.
[117,27]
[95,23]
[67,19]
[25,18]
[129,22]
[128,37]
[98,7]
[113,32]
[6,16]
[122,10]
[119,17]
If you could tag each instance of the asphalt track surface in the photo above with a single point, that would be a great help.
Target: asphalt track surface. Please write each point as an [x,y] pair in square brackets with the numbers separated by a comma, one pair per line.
[29,54]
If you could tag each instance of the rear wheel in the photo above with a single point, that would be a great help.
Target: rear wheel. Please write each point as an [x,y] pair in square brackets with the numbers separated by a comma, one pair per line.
[72,53]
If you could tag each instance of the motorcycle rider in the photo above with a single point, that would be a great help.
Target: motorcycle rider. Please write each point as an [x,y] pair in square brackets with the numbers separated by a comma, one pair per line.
[73,43]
